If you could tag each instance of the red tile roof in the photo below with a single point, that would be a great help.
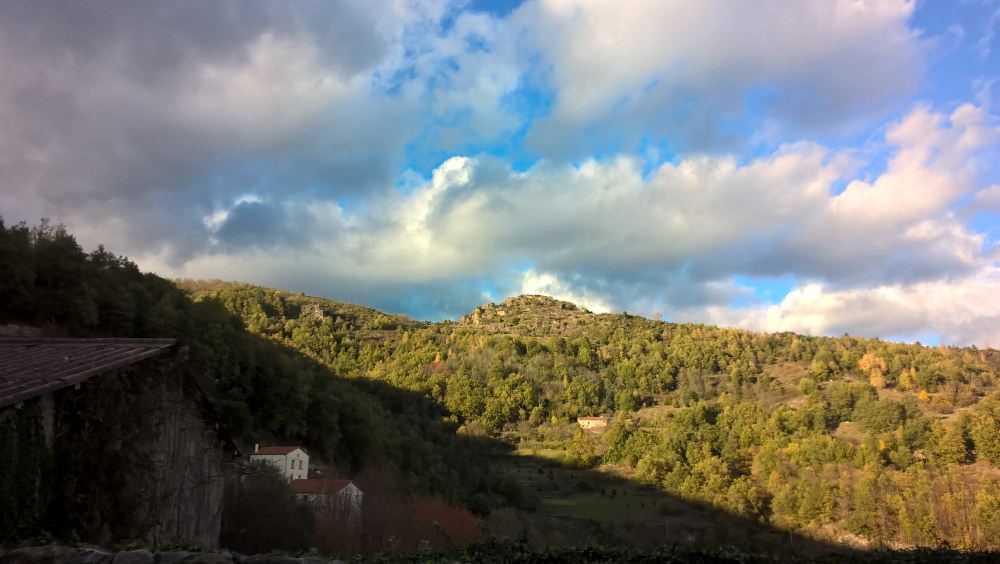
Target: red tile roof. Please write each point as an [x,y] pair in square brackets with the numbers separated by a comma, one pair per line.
[32,367]
[319,487]
[277,450]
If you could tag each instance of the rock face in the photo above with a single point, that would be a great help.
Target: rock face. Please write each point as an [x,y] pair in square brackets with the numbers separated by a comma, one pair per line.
[314,311]
[190,469]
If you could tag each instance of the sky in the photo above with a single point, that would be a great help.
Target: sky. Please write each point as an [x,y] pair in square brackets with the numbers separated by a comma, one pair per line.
[818,166]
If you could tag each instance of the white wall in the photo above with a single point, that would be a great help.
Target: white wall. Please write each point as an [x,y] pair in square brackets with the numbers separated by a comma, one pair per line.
[293,466]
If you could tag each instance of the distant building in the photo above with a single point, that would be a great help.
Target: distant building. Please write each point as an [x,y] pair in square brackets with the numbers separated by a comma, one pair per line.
[291,461]
[593,424]
[341,496]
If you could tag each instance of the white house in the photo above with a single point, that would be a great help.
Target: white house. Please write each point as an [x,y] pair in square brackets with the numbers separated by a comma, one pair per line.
[340,496]
[291,461]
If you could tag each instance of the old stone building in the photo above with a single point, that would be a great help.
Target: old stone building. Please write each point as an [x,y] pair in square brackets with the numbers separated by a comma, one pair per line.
[109,439]
[291,461]
[593,424]
[341,496]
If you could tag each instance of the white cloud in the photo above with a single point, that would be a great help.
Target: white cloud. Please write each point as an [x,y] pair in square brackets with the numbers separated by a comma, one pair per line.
[550,285]
[985,44]
[930,169]
[621,72]
[712,216]
[606,236]
[680,66]
[961,311]
[988,199]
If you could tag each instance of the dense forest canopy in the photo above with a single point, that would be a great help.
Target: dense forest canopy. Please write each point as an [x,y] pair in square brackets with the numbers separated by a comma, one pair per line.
[850,439]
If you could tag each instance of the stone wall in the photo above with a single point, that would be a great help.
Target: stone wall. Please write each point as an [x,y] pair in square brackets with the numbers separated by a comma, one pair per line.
[191,467]
[129,456]
[71,555]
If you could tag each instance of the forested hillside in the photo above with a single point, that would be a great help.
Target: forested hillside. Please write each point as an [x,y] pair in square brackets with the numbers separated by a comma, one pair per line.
[849,439]
[267,391]
[853,440]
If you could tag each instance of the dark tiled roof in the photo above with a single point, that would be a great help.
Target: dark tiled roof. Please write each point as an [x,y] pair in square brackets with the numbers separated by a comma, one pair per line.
[31,367]
[318,487]
[277,450]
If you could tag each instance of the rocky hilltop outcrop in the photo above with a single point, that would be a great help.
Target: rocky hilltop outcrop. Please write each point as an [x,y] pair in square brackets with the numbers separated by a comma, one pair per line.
[528,313]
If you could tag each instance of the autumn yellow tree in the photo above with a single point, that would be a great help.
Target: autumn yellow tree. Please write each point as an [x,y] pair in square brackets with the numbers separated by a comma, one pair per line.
[874,366]
[907,379]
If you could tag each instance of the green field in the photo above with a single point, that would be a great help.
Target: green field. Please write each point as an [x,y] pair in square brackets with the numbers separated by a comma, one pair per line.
[569,507]
[599,495]
[623,507]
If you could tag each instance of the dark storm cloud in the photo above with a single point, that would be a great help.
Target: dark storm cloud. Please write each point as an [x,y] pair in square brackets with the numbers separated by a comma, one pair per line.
[258,224]
[158,114]
[156,41]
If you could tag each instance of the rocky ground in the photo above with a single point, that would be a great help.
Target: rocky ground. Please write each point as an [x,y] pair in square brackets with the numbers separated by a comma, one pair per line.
[70,555]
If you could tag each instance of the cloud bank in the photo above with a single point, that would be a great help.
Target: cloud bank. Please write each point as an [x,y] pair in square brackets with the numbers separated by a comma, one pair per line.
[675,157]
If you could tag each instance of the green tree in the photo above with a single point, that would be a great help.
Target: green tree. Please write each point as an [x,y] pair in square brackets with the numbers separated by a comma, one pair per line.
[580,451]
[985,431]
[948,444]
[617,437]
[988,517]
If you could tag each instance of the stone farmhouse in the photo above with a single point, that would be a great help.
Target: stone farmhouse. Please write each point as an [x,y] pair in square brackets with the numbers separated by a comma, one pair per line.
[291,461]
[343,497]
[593,424]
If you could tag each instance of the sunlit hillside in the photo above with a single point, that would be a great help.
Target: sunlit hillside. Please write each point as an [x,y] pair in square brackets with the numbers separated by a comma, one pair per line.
[851,440]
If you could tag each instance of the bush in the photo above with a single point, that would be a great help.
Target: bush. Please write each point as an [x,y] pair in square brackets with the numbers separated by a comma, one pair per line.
[261,515]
